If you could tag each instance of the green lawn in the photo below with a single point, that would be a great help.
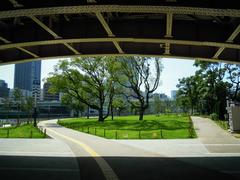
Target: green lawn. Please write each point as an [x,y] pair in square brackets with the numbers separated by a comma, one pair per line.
[23,131]
[129,127]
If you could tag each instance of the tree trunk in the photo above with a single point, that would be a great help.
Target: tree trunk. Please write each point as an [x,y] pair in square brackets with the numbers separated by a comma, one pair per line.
[100,116]
[141,113]
[88,112]
[191,110]
[112,111]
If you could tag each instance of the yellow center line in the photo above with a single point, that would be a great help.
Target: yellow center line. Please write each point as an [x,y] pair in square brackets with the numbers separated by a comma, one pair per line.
[104,166]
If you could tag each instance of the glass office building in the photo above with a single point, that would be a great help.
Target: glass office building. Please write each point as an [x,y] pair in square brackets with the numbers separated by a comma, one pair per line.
[27,77]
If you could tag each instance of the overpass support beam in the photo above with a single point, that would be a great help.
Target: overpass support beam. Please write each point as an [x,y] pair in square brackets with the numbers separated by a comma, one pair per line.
[19,48]
[109,31]
[169,20]
[229,40]
[50,31]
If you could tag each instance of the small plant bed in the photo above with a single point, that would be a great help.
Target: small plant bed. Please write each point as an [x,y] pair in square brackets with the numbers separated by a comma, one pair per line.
[23,131]
[129,127]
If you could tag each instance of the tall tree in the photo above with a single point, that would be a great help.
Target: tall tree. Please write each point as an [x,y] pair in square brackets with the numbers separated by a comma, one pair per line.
[214,88]
[141,80]
[17,95]
[157,104]
[28,106]
[88,80]
[188,93]
[233,75]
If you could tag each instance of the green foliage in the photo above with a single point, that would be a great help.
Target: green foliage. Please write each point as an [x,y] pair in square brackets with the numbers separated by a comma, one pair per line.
[86,80]
[214,116]
[188,93]
[207,90]
[23,131]
[136,76]
[128,127]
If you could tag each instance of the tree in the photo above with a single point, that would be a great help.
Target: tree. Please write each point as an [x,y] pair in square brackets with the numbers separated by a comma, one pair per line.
[17,95]
[73,103]
[233,74]
[28,106]
[188,93]
[157,104]
[7,105]
[88,80]
[136,74]
[119,104]
[213,88]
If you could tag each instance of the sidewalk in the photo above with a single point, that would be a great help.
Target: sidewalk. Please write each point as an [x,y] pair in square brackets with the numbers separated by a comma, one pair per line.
[37,159]
[215,139]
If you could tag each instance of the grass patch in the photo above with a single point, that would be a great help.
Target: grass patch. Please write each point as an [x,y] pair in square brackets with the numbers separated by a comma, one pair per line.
[129,127]
[23,131]
[223,124]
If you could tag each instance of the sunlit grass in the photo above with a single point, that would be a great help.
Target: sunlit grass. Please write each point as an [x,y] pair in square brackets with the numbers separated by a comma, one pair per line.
[129,127]
[23,131]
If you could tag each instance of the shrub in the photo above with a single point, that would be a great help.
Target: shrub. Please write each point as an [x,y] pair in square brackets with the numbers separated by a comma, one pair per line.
[214,116]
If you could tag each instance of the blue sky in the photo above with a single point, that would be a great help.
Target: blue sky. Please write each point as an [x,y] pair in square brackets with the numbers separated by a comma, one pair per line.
[172,71]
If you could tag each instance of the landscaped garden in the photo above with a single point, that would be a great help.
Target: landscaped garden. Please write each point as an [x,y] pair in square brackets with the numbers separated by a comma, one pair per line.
[22,131]
[129,127]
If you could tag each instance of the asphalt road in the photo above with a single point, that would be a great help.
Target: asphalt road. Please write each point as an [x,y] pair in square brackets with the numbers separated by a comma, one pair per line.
[99,158]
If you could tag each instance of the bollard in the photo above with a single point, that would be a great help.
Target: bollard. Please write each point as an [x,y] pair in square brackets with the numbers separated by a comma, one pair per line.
[31,133]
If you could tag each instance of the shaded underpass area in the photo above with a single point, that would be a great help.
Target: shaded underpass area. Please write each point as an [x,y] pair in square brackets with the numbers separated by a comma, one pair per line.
[142,168]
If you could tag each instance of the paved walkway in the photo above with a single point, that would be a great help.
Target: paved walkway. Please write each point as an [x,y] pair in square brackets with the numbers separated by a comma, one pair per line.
[214,138]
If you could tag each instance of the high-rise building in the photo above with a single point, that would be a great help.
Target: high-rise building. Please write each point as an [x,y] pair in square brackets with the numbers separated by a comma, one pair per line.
[4,90]
[47,96]
[27,77]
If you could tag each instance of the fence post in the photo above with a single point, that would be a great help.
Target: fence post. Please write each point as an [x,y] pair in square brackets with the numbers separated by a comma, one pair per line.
[31,134]
[95,131]
[139,135]
[104,133]
[116,134]
[7,133]
[161,134]
[88,130]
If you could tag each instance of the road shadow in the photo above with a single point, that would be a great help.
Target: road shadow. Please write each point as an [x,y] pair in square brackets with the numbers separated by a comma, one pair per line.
[126,168]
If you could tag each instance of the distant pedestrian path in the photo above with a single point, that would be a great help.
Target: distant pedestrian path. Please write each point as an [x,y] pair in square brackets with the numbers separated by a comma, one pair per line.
[213,137]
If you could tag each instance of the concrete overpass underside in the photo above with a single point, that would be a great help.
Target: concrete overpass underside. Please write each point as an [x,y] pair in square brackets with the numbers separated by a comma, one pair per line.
[41,29]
